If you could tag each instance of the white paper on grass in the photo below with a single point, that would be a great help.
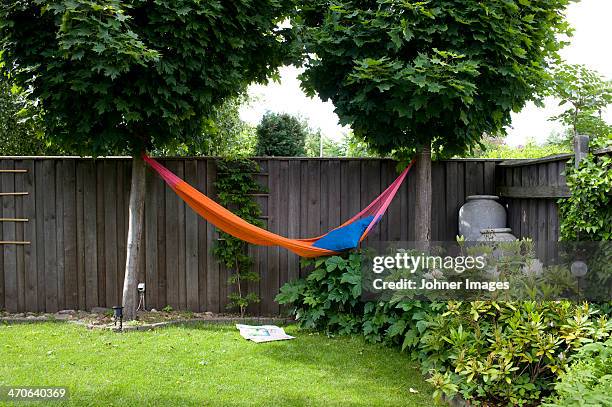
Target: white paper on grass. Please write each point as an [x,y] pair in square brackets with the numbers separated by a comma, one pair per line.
[263,333]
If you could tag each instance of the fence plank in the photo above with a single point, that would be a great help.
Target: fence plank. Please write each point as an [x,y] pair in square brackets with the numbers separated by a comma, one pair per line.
[122,202]
[553,215]
[182,229]
[71,287]
[172,243]
[100,232]
[40,238]
[29,211]
[438,204]
[191,243]
[474,178]
[50,236]
[80,234]
[110,233]
[269,285]
[59,221]
[203,251]
[283,220]
[161,244]
[92,202]
[293,212]
[453,201]
[212,276]
[150,241]
[489,178]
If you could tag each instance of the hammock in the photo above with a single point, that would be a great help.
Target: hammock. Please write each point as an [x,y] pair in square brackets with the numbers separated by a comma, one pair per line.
[344,237]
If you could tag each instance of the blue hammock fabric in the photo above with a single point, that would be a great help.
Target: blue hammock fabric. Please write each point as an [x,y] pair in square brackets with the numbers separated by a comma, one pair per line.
[346,237]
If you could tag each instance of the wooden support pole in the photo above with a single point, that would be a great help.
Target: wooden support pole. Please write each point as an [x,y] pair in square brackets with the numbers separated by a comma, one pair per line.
[581,149]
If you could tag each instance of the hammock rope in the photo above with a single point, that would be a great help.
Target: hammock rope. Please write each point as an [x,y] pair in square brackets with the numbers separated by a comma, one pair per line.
[230,223]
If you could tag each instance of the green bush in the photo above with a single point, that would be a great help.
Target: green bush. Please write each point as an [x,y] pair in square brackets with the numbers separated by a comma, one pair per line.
[588,381]
[501,352]
[506,352]
[329,298]
[586,214]
[280,135]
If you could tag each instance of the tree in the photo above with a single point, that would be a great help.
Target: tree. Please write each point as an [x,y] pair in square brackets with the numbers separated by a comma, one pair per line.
[223,134]
[21,129]
[280,135]
[413,76]
[129,75]
[587,93]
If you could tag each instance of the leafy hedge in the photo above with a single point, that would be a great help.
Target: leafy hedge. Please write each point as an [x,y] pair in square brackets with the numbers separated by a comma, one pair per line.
[586,214]
[507,353]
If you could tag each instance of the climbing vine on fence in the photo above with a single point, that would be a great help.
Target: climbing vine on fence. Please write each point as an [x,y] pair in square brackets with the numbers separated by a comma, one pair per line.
[235,184]
[586,214]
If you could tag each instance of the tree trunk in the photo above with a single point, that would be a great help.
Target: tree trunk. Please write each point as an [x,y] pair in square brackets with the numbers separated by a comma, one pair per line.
[134,239]
[423,195]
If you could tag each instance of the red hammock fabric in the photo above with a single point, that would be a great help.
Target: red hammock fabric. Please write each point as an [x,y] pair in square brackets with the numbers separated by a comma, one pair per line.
[238,227]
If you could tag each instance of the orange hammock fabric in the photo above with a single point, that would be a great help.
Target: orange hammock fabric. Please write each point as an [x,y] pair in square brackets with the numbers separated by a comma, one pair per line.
[238,227]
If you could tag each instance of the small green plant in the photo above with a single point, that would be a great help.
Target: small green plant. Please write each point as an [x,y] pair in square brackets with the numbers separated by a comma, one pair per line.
[168,308]
[235,184]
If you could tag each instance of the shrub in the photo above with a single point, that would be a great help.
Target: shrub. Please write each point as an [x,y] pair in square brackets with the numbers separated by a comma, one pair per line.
[586,214]
[502,352]
[507,352]
[588,381]
[328,299]
[280,135]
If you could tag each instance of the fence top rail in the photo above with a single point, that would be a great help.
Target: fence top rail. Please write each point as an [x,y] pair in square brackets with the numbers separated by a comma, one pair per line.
[174,158]
[558,157]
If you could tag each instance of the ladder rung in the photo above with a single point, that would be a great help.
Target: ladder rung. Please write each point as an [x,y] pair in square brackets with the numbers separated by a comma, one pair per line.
[13,220]
[13,242]
[14,193]
[13,171]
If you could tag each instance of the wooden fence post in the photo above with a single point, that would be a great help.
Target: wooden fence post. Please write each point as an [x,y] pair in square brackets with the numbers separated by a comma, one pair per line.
[581,148]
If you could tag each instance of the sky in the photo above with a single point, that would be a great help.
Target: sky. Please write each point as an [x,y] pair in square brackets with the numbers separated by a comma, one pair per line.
[590,46]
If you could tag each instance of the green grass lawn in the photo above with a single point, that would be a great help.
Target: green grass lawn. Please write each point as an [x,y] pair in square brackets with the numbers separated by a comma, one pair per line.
[207,365]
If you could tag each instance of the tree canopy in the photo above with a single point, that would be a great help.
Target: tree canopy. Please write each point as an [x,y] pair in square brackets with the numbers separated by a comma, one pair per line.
[223,134]
[405,74]
[115,75]
[21,132]
[281,135]
[585,93]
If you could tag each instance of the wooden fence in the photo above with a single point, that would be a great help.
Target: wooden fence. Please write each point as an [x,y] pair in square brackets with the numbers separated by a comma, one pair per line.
[530,190]
[73,223]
